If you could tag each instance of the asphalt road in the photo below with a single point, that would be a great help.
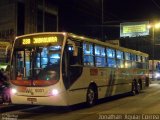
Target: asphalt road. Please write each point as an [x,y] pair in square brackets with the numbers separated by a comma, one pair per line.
[144,106]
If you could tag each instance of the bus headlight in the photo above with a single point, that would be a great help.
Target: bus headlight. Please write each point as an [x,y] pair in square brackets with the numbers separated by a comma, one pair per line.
[157,75]
[55,92]
[13,91]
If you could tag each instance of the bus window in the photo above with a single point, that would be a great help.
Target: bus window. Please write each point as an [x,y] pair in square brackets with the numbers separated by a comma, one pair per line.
[139,61]
[20,63]
[133,58]
[100,60]
[48,61]
[127,56]
[74,59]
[144,62]
[138,58]
[120,59]
[88,54]
[143,59]
[128,63]
[111,57]
[147,63]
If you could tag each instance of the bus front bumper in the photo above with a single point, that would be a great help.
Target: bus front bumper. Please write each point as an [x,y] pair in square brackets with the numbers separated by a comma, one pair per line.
[40,100]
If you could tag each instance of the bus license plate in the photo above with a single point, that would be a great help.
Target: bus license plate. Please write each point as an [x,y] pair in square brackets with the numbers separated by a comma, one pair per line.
[32,99]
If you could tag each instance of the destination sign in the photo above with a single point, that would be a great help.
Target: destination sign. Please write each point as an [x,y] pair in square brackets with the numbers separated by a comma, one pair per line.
[39,40]
[26,41]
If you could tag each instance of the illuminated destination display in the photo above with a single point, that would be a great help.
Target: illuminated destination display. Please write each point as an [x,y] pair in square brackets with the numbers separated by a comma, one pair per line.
[44,40]
[26,41]
[39,40]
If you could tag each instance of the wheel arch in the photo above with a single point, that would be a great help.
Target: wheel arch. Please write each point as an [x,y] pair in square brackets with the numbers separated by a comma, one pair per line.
[95,87]
[140,83]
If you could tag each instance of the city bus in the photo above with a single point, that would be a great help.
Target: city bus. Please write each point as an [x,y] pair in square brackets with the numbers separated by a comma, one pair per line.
[5,48]
[63,69]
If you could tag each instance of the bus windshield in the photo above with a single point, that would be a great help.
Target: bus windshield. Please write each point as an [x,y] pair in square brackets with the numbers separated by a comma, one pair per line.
[36,64]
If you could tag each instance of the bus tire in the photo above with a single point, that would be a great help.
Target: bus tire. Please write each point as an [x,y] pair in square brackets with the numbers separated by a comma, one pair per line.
[140,84]
[133,92]
[147,81]
[91,96]
[138,88]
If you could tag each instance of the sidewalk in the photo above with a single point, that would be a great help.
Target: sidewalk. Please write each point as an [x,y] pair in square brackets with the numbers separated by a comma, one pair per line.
[155,81]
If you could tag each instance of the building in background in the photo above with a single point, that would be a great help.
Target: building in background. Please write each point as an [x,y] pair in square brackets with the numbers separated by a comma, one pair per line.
[19,17]
[5,49]
[8,21]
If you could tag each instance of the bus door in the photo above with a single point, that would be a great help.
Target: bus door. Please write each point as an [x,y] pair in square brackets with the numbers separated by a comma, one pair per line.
[72,62]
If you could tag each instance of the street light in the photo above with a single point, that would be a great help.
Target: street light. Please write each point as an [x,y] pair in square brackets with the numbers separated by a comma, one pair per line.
[153,26]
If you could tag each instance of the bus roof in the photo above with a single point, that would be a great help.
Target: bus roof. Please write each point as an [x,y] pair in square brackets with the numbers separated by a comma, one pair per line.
[96,41]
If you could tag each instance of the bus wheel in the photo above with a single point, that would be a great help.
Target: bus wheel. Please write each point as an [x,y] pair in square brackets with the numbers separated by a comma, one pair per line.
[147,82]
[140,84]
[138,88]
[133,92]
[91,96]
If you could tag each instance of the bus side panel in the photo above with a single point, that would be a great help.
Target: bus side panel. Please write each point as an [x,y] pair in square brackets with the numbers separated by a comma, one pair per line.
[116,81]
[78,90]
[109,82]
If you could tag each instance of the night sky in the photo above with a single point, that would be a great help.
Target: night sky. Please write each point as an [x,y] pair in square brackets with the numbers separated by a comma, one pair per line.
[130,10]
[85,16]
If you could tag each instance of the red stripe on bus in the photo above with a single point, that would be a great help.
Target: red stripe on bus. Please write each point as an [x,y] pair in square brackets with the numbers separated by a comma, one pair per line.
[35,82]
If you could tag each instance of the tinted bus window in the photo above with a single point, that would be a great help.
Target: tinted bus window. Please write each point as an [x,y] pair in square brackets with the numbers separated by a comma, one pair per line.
[110,53]
[138,58]
[88,54]
[143,59]
[100,60]
[119,54]
[127,56]
[111,57]
[120,61]
[128,63]
[133,57]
